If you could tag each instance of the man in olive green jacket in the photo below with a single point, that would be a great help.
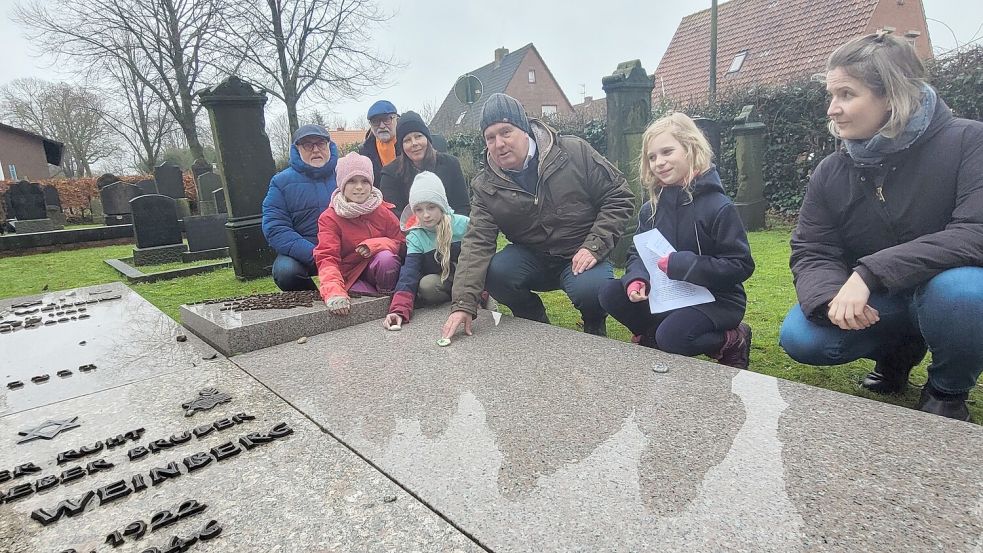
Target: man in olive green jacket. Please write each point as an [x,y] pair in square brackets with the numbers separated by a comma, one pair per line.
[562,206]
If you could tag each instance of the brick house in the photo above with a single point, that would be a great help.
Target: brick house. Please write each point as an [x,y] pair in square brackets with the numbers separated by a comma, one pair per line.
[25,155]
[521,74]
[771,42]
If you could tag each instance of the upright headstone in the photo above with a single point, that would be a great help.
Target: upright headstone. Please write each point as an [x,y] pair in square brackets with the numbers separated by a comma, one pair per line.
[629,101]
[105,180]
[147,186]
[199,168]
[116,202]
[220,205]
[24,202]
[170,181]
[750,197]
[156,229]
[98,215]
[246,163]
[51,196]
[206,232]
[711,130]
[208,183]
[56,216]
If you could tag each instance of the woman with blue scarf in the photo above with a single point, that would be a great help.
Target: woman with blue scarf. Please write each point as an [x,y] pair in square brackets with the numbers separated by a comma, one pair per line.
[887,256]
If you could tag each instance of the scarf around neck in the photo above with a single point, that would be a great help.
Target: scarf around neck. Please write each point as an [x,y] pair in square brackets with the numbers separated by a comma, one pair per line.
[350,210]
[873,150]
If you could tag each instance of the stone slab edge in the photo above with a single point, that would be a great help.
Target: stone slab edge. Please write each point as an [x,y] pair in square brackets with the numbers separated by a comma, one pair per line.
[273,332]
[217,253]
[135,276]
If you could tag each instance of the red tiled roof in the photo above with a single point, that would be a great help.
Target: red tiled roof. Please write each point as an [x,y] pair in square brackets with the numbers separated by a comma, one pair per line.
[346,137]
[785,40]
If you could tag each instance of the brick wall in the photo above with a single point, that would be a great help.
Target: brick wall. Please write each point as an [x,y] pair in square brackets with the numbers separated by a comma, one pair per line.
[25,153]
[904,17]
[545,91]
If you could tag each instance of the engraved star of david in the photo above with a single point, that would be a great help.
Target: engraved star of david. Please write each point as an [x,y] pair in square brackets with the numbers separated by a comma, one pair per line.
[48,429]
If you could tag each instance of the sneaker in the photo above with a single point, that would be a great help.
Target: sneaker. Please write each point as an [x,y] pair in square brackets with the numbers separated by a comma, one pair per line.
[952,406]
[736,351]
[890,375]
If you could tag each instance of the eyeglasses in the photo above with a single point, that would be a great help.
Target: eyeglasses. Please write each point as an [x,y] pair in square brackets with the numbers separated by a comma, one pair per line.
[313,145]
[380,121]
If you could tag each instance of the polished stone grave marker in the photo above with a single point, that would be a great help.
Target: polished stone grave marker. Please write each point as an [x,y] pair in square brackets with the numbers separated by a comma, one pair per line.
[98,214]
[208,183]
[116,459]
[115,199]
[51,196]
[207,238]
[147,186]
[169,179]
[25,202]
[220,206]
[534,438]
[156,229]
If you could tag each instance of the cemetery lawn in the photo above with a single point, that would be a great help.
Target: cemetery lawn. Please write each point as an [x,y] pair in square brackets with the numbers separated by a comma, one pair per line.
[770,294]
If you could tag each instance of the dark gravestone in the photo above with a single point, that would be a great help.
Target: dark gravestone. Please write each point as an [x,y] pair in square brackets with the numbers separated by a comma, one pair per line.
[116,202]
[208,183]
[170,181]
[206,232]
[156,229]
[199,168]
[246,163]
[26,201]
[147,186]
[105,180]
[51,196]
[220,206]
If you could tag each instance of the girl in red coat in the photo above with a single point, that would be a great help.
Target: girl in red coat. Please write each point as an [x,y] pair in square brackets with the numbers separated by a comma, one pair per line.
[358,238]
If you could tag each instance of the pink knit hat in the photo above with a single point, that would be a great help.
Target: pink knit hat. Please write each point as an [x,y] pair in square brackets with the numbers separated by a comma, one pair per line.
[351,165]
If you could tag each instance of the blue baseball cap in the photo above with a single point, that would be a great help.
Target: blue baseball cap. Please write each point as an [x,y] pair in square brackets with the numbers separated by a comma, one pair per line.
[382,107]
[311,130]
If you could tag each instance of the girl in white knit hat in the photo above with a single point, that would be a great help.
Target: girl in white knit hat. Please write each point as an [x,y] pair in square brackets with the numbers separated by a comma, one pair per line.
[433,243]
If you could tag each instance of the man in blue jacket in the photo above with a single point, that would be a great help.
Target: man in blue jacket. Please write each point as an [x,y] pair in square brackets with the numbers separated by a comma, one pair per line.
[295,200]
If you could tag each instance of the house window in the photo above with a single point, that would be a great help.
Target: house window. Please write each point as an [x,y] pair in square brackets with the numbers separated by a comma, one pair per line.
[532,76]
[460,118]
[549,110]
[12,172]
[738,62]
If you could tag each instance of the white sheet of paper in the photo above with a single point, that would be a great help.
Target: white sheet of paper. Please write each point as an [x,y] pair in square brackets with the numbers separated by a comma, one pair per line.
[666,294]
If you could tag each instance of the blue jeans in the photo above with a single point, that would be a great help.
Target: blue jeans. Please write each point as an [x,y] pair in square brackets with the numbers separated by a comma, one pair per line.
[947,311]
[290,274]
[516,271]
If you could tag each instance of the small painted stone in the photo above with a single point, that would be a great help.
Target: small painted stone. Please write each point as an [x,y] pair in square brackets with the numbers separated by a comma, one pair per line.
[444,342]
[302,340]
[389,499]
[660,368]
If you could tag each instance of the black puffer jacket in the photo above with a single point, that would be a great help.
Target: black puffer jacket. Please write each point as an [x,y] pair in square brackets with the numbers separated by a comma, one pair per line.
[369,150]
[711,246]
[396,190]
[897,224]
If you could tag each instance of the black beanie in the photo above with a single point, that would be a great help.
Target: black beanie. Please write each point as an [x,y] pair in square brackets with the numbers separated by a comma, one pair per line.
[502,108]
[411,122]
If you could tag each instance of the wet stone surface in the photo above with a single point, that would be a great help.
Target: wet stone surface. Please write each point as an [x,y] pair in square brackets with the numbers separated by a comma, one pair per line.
[534,438]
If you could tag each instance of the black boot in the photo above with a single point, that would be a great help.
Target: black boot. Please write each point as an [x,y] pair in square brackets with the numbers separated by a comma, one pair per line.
[890,374]
[952,406]
[597,328]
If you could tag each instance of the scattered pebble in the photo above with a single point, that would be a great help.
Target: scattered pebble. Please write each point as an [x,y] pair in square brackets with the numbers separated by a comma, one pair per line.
[82,343]
[182,338]
[209,357]
[444,342]
[389,499]
[302,340]
[660,368]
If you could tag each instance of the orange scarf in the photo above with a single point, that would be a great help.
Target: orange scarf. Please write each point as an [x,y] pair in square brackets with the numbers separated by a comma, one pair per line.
[387,152]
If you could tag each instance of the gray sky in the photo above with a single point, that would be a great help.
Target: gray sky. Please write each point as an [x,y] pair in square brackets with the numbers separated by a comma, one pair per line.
[441,39]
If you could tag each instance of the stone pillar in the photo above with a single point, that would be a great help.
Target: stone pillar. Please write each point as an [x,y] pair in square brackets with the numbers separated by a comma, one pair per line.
[629,105]
[246,162]
[750,198]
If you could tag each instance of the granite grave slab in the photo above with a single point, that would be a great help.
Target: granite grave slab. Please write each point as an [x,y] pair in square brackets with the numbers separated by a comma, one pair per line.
[115,199]
[98,214]
[206,232]
[51,196]
[199,453]
[534,438]
[147,186]
[156,229]
[25,200]
[107,326]
[233,331]
[208,183]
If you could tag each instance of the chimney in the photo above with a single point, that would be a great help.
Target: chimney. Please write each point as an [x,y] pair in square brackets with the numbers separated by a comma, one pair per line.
[500,53]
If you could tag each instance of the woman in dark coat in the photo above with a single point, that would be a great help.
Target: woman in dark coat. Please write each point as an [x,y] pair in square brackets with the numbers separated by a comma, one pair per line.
[418,154]
[691,210]
[886,256]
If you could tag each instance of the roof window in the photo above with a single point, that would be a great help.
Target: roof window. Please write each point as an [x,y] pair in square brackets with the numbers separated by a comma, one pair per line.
[460,118]
[738,62]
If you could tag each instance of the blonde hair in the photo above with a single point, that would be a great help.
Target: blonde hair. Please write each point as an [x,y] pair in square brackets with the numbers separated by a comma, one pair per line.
[888,66]
[695,146]
[445,233]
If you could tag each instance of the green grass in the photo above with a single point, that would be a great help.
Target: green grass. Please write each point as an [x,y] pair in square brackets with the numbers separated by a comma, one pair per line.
[770,294]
